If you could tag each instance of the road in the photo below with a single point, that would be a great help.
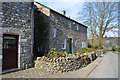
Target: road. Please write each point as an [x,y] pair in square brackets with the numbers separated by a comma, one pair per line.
[108,68]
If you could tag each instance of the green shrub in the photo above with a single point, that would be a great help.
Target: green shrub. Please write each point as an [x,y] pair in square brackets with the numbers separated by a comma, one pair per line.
[91,49]
[90,45]
[118,49]
[84,50]
[113,48]
[104,51]
[98,47]
[75,54]
[64,53]
[53,53]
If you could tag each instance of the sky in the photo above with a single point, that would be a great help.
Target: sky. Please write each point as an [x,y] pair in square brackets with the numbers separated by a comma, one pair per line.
[72,8]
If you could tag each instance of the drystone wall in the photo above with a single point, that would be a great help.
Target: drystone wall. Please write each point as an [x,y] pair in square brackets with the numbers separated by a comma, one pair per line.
[64,64]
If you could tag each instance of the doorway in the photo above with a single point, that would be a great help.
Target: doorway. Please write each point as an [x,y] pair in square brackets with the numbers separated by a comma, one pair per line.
[10,52]
[70,46]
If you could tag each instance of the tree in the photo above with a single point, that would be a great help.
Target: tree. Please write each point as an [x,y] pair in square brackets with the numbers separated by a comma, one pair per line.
[100,17]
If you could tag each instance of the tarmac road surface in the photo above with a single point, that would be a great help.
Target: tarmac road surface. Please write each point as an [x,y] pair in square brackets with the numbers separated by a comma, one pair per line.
[108,68]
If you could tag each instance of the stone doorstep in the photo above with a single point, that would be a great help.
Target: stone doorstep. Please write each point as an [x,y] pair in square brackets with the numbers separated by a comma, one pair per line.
[10,70]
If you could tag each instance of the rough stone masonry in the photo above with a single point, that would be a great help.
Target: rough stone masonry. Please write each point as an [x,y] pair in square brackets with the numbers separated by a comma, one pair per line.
[64,64]
[16,19]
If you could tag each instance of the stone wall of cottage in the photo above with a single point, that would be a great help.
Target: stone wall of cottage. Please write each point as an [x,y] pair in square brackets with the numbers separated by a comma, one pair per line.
[41,32]
[65,29]
[17,19]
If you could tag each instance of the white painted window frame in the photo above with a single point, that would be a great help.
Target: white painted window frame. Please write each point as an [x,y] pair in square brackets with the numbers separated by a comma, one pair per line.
[70,26]
[83,44]
[54,34]
[64,44]
[77,28]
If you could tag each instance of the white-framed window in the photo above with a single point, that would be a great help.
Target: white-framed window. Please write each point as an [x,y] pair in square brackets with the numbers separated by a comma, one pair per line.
[77,28]
[54,35]
[64,44]
[83,44]
[69,25]
[73,22]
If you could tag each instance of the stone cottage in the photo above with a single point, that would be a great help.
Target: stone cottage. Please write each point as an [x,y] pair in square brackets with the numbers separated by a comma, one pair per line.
[16,35]
[29,29]
[55,30]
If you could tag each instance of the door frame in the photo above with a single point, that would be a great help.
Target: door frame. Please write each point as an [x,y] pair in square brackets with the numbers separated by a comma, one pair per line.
[17,46]
[69,43]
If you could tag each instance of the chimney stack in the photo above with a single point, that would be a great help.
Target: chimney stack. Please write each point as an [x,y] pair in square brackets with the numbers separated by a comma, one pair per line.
[63,11]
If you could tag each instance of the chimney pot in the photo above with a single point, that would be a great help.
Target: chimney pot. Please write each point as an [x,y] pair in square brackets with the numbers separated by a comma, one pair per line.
[63,11]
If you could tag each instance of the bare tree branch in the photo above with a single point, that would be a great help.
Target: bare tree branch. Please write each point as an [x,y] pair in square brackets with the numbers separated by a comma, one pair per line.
[100,17]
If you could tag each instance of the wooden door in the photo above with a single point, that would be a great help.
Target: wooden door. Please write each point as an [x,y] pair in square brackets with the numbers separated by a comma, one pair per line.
[10,52]
[70,45]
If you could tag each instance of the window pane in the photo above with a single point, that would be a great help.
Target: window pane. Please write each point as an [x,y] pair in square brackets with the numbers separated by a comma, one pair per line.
[54,33]
[64,44]
[9,42]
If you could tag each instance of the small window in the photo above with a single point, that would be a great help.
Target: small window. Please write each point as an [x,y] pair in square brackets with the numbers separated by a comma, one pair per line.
[73,22]
[64,44]
[69,25]
[9,42]
[54,33]
[77,28]
[83,44]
